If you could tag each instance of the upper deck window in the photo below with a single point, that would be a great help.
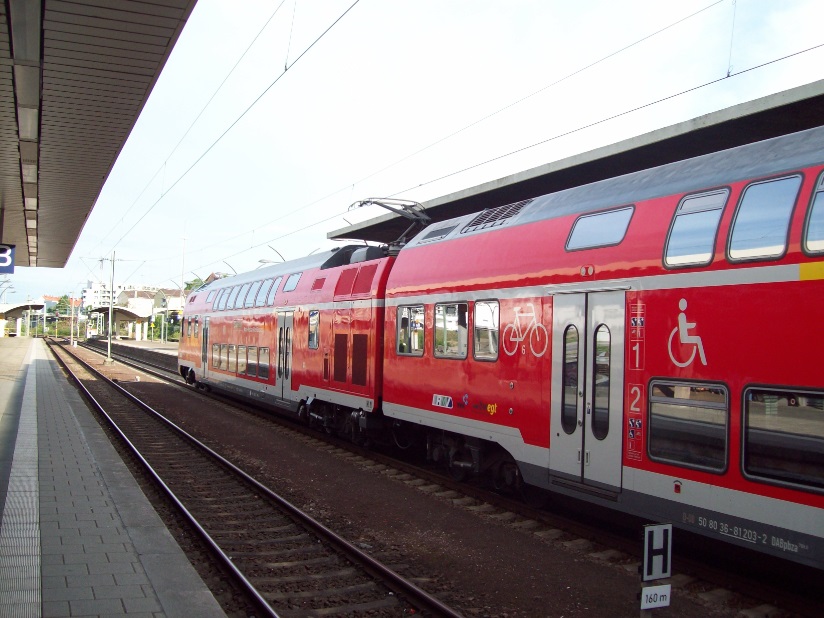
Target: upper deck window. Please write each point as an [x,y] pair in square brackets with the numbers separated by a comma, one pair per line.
[601,229]
[232,297]
[270,300]
[250,298]
[260,299]
[222,299]
[291,282]
[762,220]
[210,296]
[814,232]
[692,235]
[241,297]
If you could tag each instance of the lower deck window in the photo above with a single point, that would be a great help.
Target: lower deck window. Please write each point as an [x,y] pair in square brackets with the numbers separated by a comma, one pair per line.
[252,365]
[232,359]
[241,359]
[263,363]
[688,424]
[784,436]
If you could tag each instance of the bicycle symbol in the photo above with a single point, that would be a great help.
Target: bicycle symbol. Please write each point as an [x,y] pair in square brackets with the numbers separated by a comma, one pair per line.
[684,337]
[514,334]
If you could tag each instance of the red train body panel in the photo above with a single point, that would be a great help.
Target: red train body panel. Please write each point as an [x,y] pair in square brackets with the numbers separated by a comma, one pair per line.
[651,343]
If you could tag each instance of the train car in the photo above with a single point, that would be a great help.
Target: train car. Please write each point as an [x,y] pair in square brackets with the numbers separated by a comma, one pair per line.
[651,343]
[304,335]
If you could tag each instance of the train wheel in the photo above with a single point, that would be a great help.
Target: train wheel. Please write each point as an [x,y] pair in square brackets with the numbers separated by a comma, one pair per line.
[351,429]
[190,377]
[303,412]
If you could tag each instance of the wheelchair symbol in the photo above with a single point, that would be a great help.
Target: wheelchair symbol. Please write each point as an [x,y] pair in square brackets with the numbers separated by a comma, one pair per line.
[685,338]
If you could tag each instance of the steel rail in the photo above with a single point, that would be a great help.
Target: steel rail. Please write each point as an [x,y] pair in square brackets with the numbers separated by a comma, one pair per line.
[221,555]
[416,596]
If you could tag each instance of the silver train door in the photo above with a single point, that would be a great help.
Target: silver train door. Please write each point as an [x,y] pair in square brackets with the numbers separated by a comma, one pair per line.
[283,369]
[586,414]
[204,348]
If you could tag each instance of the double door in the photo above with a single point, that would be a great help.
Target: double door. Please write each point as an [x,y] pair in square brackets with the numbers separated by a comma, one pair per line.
[283,355]
[586,416]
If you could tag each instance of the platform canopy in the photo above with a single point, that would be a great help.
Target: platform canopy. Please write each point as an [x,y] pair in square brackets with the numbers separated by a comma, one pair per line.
[74,76]
[121,313]
[778,114]
[12,311]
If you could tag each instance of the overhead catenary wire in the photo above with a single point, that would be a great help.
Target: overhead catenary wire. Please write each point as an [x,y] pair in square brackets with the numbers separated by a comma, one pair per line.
[484,118]
[194,122]
[232,125]
[539,143]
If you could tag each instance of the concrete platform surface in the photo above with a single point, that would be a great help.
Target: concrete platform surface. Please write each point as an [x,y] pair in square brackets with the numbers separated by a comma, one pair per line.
[77,536]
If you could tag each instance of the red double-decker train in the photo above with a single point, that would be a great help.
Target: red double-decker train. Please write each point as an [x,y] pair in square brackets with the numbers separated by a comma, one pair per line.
[652,343]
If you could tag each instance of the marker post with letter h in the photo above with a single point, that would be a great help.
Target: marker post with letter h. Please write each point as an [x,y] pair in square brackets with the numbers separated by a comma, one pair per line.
[657,564]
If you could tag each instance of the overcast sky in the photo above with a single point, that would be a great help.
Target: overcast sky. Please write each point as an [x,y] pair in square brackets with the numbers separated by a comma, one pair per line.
[396,99]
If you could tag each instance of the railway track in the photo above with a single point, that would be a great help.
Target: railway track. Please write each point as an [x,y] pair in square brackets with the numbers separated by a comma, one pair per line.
[702,573]
[287,562]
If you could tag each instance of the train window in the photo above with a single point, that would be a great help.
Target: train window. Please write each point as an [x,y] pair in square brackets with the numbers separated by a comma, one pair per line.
[762,220]
[251,297]
[224,356]
[210,296]
[569,395]
[220,299]
[688,425]
[216,355]
[270,299]
[224,299]
[260,299]
[602,363]
[197,327]
[601,229]
[485,326]
[410,330]
[451,330]
[241,297]
[692,234]
[263,364]
[814,231]
[232,358]
[188,327]
[314,329]
[784,436]
[230,304]
[291,282]
[252,364]
[241,359]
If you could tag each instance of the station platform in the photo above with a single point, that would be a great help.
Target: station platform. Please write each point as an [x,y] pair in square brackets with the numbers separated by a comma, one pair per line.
[77,536]
[164,347]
